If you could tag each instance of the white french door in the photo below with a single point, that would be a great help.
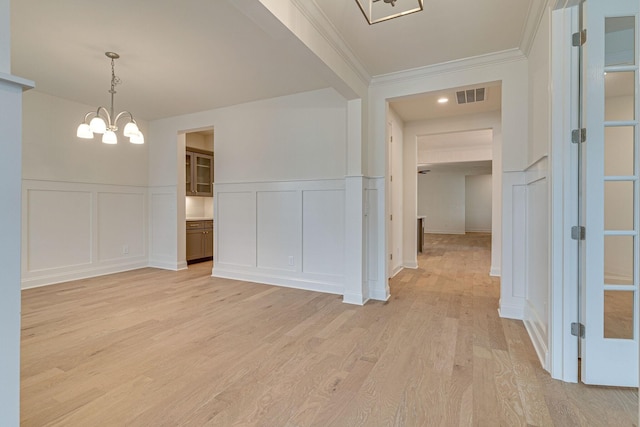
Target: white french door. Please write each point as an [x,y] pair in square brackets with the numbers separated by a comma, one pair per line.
[610,193]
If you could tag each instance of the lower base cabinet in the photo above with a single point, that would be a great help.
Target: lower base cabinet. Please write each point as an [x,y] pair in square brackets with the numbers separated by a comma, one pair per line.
[199,241]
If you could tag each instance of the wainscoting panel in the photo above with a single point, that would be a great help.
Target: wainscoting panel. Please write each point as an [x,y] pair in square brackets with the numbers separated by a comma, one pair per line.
[235,232]
[73,231]
[536,316]
[163,233]
[278,228]
[58,229]
[323,232]
[121,219]
[285,233]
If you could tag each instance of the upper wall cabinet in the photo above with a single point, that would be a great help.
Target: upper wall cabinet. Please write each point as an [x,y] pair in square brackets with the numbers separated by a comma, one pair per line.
[199,173]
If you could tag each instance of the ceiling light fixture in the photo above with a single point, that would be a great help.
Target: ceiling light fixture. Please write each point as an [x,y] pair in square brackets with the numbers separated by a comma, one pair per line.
[376,11]
[443,100]
[105,122]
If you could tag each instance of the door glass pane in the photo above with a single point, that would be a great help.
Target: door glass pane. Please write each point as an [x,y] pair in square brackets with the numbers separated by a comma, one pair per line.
[618,205]
[618,260]
[619,89]
[619,152]
[188,173]
[619,41]
[618,314]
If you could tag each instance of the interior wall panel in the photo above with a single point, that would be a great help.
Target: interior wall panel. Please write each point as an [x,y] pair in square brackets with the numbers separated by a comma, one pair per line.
[323,232]
[58,228]
[236,228]
[120,225]
[77,230]
[278,230]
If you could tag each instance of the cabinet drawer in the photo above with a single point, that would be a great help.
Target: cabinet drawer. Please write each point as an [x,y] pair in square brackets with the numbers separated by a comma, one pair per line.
[192,225]
[208,225]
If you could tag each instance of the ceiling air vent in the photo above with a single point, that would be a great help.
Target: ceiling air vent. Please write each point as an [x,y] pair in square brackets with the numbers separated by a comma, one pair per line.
[471,95]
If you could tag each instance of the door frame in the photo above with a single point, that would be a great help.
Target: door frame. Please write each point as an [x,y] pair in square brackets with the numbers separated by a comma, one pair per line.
[564,252]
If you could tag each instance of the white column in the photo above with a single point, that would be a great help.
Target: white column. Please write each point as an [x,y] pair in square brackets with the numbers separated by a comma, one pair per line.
[354,289]
[11,88]
[10,229]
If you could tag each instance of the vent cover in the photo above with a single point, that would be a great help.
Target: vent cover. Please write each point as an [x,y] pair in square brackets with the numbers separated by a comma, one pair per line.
[471,95]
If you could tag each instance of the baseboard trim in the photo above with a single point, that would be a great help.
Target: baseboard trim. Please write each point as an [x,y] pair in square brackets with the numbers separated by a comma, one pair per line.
[167,265]
[397,270]
[511,311]
[411,264]
[379,296]
[495,272]
[355,299]
[287,282]
[52,279]
[539,344]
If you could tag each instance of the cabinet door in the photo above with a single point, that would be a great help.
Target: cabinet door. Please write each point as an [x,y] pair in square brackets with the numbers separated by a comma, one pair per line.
[195,248]
[208,243]
[188,170]
[203,175]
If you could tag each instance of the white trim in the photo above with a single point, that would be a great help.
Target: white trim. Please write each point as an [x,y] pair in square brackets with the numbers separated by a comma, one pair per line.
[83,273]
[466,64]
[276,280]
[411,264]
[537,336]
[354,299]
[17,81]
[532,25]
[495,272]
[515,311]
[563,256]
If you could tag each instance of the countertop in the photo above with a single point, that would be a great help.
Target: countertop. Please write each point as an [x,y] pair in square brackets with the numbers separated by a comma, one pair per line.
[202,218]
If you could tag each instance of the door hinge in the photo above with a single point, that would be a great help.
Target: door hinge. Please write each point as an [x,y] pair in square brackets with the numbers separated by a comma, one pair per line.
[578,232]
[391,257]
[577,330]
[391,178]
[579,135]
[391,138]
[579,38]
[391,217]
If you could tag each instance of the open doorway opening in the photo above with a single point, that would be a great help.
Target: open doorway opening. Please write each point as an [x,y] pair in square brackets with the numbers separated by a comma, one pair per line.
[199,190]
[456,134]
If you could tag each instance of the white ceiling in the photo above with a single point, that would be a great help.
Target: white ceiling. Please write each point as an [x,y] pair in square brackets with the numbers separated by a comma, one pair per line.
[444,31]
[427,107]
[194,55]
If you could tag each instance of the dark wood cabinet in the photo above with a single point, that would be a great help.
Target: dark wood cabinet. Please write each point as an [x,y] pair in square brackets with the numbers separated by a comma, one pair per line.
[199,241]
[198,173]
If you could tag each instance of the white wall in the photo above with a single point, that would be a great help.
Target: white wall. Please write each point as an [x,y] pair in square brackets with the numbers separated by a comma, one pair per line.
[412,133]
[478,203]
[84,202]
[280,189]
[441,199]
[198,207]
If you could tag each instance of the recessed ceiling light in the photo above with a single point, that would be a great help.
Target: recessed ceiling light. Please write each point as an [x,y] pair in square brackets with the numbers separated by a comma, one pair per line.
[443,100]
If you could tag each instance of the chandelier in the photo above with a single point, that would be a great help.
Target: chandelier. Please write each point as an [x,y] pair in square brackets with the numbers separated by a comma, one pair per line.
[105,122]
[376,11]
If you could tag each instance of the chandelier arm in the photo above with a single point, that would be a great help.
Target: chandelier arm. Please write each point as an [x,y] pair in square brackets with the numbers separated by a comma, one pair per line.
[123,113]
[109,122]
[86,116]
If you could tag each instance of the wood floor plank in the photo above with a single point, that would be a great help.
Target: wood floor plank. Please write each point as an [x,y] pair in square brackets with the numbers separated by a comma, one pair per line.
[158,348]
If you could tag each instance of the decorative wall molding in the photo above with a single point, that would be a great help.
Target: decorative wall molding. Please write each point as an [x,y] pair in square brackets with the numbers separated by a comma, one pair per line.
[513,283]
[285,233]
[73,231]
[465,64]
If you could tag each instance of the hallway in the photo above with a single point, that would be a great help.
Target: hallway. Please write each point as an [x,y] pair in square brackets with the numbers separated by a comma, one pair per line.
[153,347]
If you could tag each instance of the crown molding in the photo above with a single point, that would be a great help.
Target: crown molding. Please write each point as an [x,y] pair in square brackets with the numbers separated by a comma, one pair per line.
[532,24]
[324,27]
[495,58]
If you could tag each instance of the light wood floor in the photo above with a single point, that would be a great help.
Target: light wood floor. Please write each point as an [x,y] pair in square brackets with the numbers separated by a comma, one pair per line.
[159,348]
